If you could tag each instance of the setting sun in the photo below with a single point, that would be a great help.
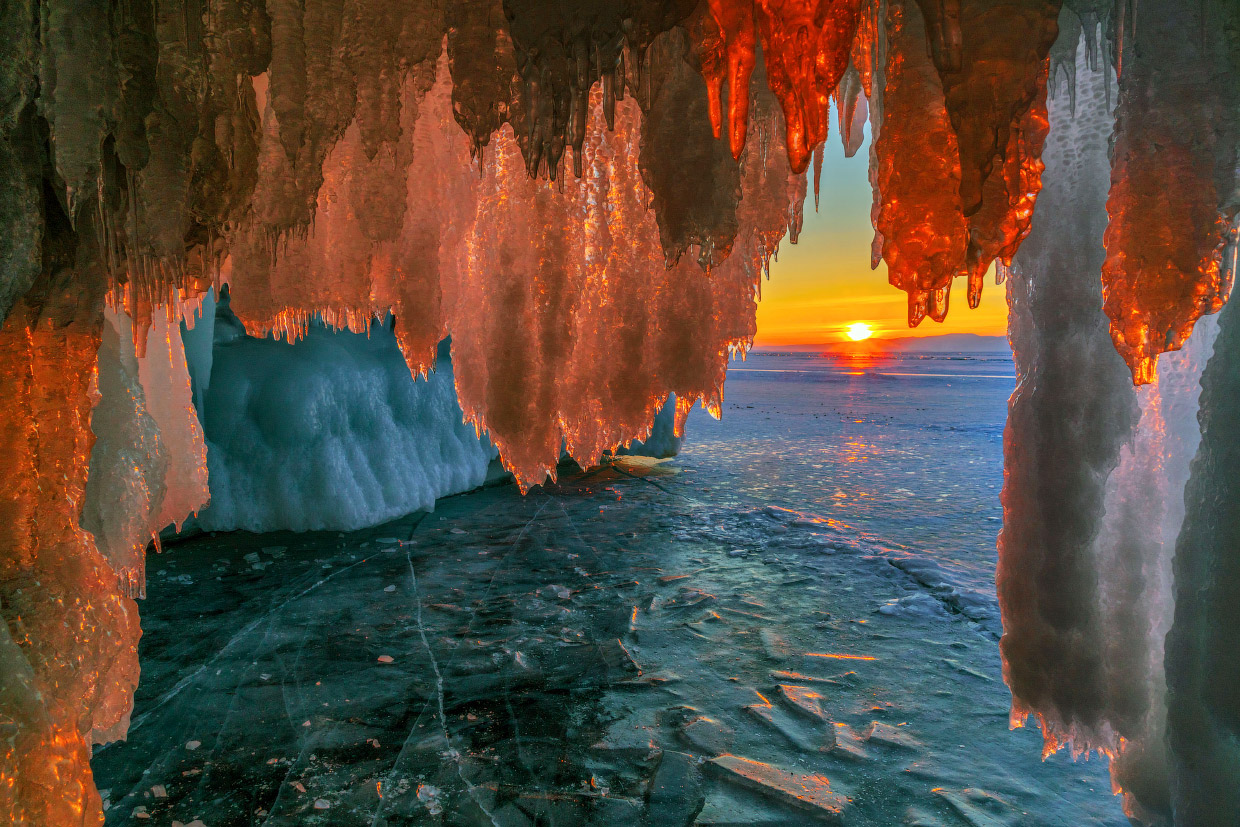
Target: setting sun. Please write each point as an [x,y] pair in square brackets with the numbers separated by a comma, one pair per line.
[859,330]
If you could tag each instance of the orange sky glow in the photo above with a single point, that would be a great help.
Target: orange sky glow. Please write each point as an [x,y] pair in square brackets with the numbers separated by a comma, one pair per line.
[824,283]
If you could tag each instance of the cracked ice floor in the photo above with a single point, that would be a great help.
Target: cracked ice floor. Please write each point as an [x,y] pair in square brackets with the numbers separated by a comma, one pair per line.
[584,654]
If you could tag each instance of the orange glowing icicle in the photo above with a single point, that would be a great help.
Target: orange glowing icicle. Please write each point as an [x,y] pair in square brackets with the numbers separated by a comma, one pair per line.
[547,269]
[993,69]
[992,59]
[997,229]
[728,53]
[1174,163]
[918,220]
[806,45]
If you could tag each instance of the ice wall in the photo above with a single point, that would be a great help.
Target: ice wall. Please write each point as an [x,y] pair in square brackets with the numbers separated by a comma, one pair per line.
[1144,509]
[69,646]
[1203,681]
[330,433]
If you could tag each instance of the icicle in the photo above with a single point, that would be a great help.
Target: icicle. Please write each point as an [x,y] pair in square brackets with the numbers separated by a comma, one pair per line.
[918,212]
[818,153]
[806,47]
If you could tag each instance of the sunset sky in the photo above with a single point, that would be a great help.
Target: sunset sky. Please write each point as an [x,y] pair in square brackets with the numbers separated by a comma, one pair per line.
[824,283]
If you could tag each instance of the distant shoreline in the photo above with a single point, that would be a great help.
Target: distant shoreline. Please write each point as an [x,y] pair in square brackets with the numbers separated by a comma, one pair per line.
[946,343]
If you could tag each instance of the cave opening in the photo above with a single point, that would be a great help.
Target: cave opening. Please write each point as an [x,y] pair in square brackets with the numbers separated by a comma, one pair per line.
[366,456]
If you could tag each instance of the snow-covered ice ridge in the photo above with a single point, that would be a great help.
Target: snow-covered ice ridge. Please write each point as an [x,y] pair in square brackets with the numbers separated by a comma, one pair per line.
[332,431]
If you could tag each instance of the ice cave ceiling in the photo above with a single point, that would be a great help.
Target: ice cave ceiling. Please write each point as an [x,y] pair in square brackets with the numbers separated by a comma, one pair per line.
[584,195]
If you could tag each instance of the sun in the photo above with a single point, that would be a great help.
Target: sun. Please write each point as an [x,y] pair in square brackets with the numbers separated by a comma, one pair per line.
[859,330]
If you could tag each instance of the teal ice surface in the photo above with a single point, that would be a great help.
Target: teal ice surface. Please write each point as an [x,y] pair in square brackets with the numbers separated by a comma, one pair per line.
[584,654]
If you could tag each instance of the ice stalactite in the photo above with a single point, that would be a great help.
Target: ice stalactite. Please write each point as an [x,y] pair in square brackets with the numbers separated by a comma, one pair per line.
[382,223]
[1094,478]
[170,403]
[562,51]
[806,46]
[958,160]
[486,86]
[920,230]
[992,59]
[728,55]
[694,181]
[148,466]
[1174,181]
[1072,412]
[1203,681]
[20,174]
[568,261]
[852,111]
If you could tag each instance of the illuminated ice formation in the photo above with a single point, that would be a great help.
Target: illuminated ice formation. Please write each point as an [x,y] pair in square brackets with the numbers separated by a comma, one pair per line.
[542,182]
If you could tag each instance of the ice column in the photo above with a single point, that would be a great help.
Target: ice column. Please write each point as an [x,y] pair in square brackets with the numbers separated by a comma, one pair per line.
[1072,411]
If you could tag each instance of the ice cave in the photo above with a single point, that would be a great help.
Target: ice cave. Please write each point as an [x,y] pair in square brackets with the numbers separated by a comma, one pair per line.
[365,457]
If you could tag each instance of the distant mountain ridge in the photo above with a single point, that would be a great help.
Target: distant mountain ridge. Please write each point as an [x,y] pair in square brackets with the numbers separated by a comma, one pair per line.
[946,343]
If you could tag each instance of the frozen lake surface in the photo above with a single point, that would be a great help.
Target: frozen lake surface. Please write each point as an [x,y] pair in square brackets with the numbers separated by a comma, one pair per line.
[791,623]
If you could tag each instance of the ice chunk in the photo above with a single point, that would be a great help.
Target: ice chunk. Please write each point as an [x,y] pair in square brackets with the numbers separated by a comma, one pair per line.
[808,792]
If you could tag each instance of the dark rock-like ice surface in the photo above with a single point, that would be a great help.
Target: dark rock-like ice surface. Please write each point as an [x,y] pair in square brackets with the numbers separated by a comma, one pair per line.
[647,643]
